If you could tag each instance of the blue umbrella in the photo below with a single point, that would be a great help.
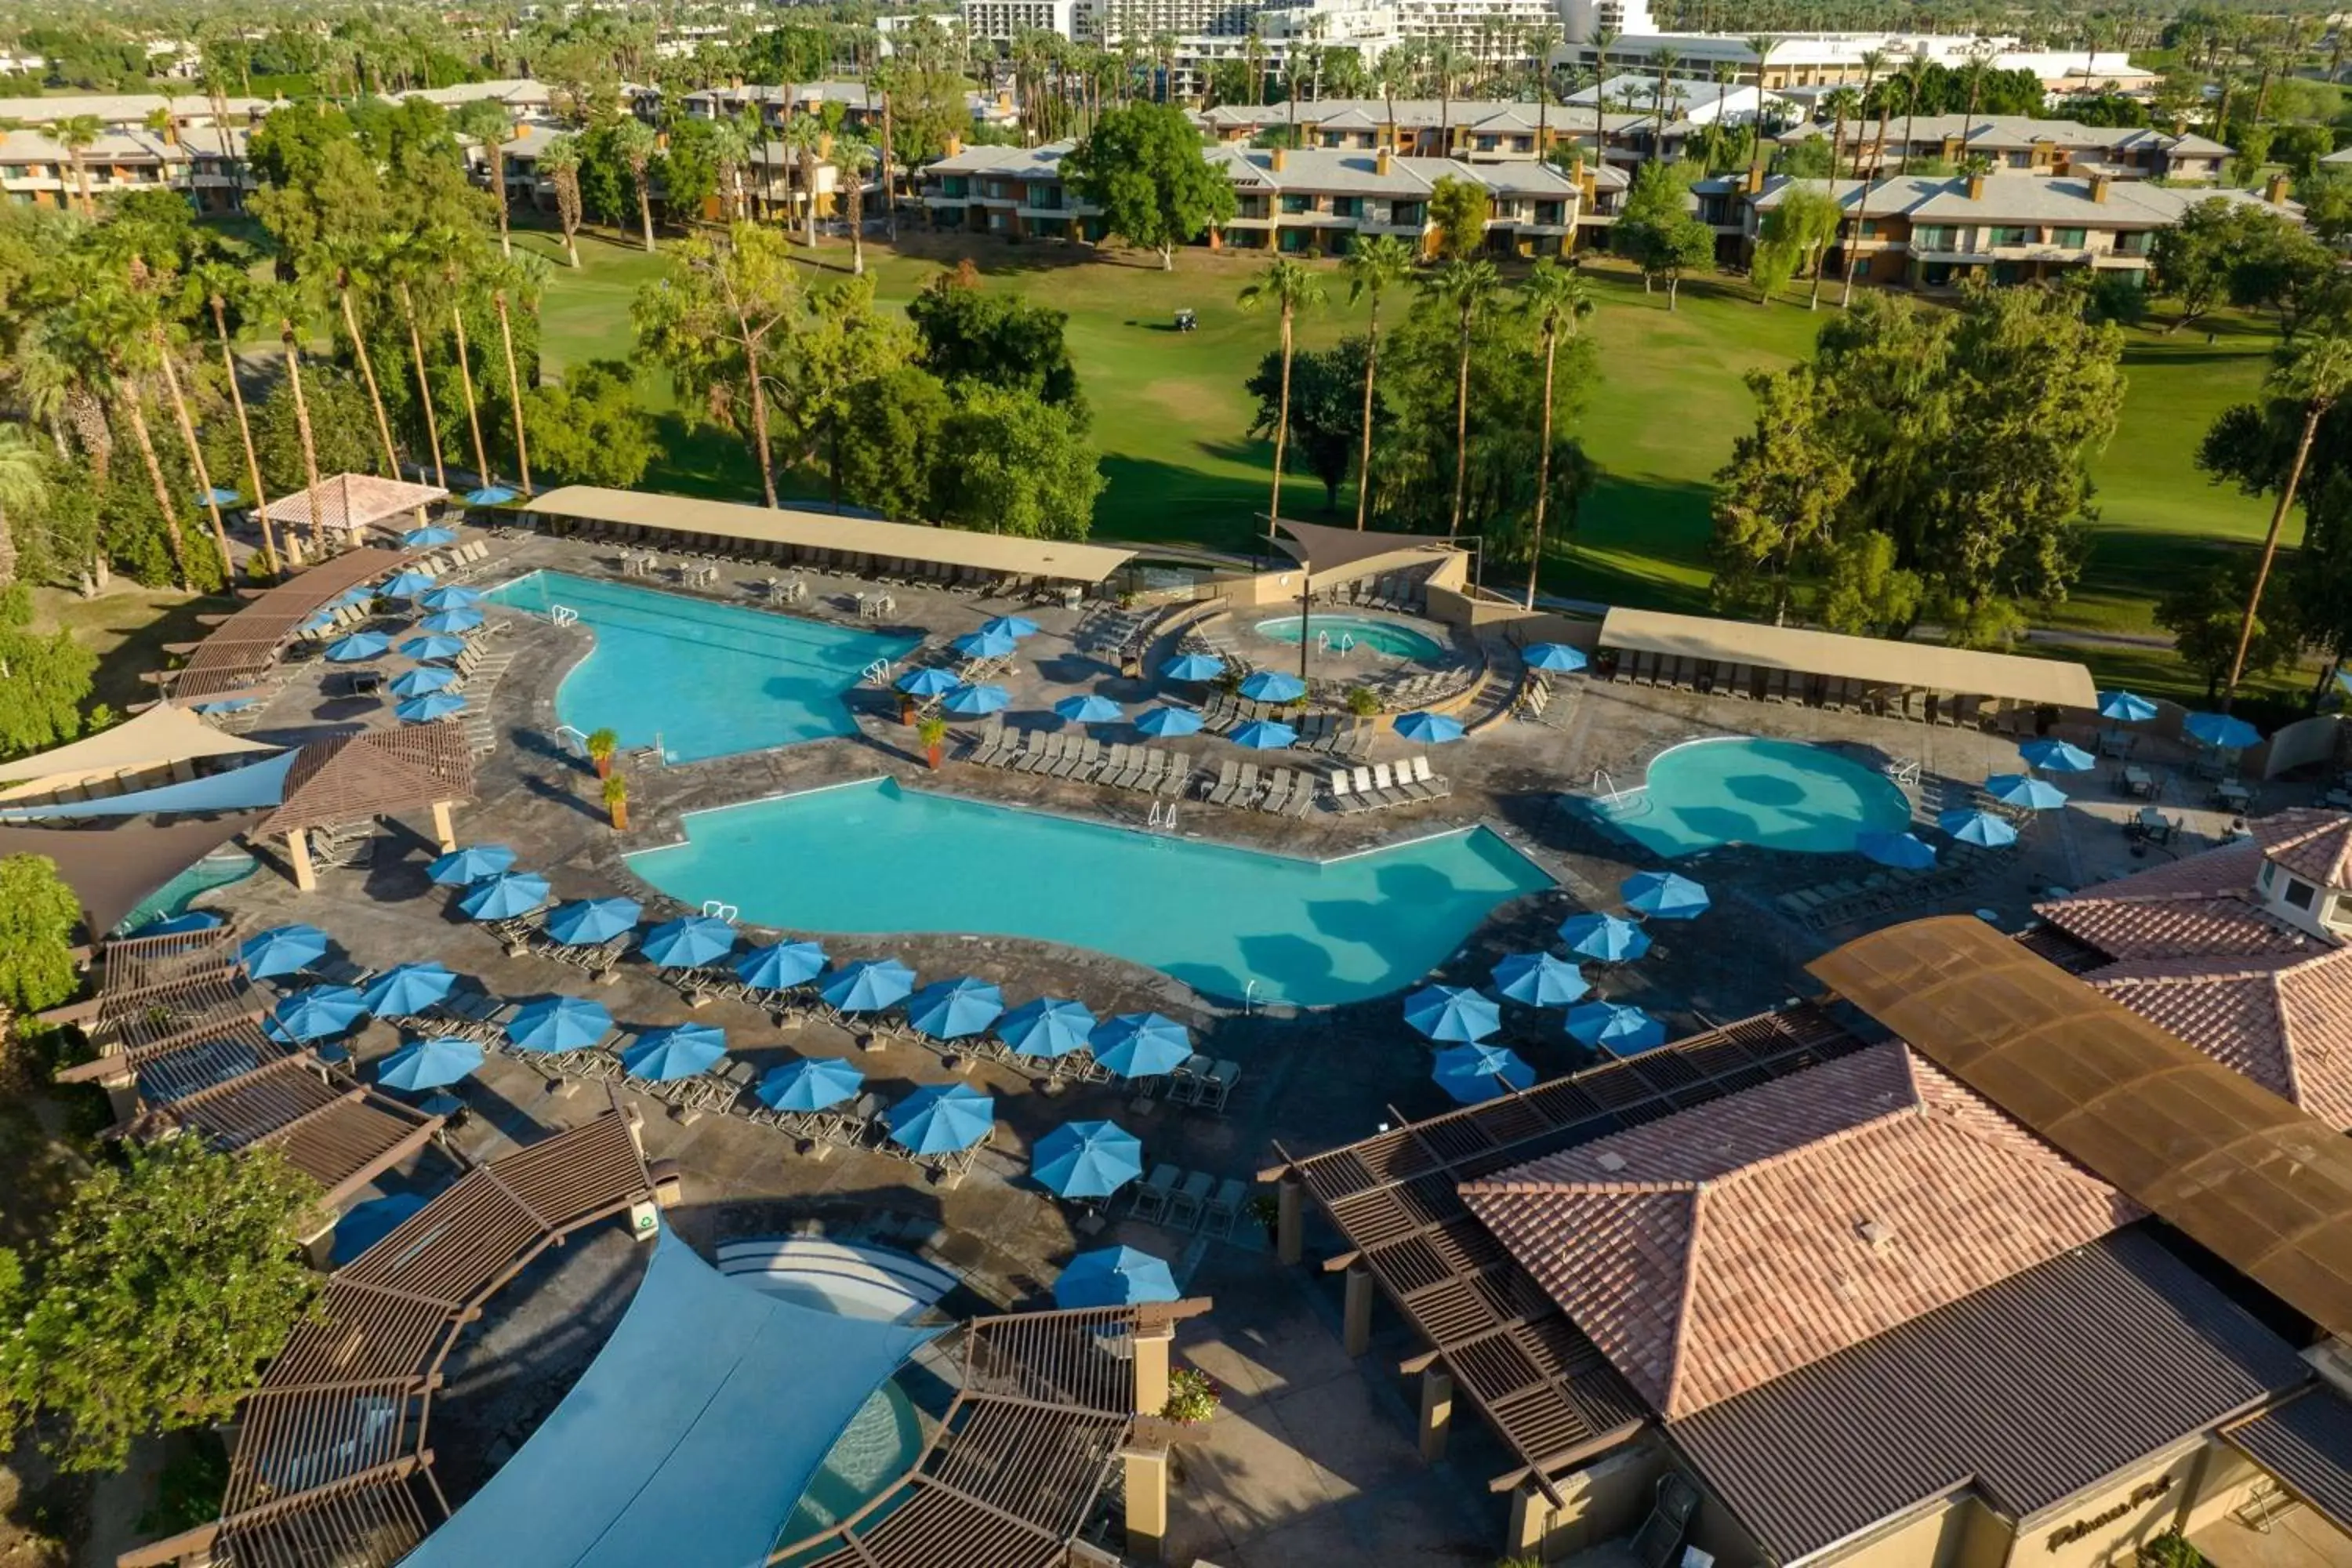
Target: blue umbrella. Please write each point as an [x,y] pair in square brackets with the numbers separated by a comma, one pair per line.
[984,644]
[407,989]
[461,867]
[1169,723]
[942,1118]
[227,705]
[180,925]
[452,597]
[422,681]
[1086,1159]
[1556,656]
[557,1024]
[216,496]
[1193,667]
[1264,735]
[281,950]
[1048,1026]
[688,942]
[1982,828]
[357,646]
[1274,686]
[2223,732]
[867,986]
[1088,709]
[1904,851]
[583,922]
[433,705]
[1540,979]
[362,594]
[818,1083]
[428,538]
[1610,938]
[2025,790]
[320,621]
[781,965]
[950,1009]
[681,1050]
[1429,728]
[364,1225]
[1140,1045]
[1452,1012]
[1471,1073]
[2125,707]
[1114,1277]
[317,1013]
[1623,1029]
[406,585]
[1015,627]
[431,647]
[931,682]
[434,1062]
[1663,895]
[444,622]
[504,896]
[491,495]
[973,700]
[2056,756]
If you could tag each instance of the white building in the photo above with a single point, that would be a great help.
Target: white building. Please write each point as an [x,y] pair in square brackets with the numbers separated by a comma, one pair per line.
[1827,59]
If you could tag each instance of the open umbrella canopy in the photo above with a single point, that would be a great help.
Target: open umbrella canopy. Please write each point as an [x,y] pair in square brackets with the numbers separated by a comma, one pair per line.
[1452,1012]
[1540,979]
[433,705]
[461,867]
[2125,707]
[867,986]
[406,585]
[434,1062]
[932,681]
[491,495]
[281,950]
[688,942]
[2053,755]
[1904,851]
[984,644]
[227,705]
[432,645]
[1982,828]
[583,922]
[1169,723]
[364,1225]
[1088,709]
[365,594]
[1114,1277]
[679,1051]
[1475,1073]
[1010,627]
[317,1013]
[1274,686]
[1615,1027]
[357,646]
[817,1083]
[428,538]
[406,990]
[1140,1045]
[1609,938]
[970,701]
[2223,732]
[1086,1159]
[1049,1026]
[781,965]
[557,1024]
[1429,728]
[1663,896]
[950,1009]
[1264,735]
[452,596]
[1555,657]
[2025,792]
[447,621]
[422,681]
[942,1118]
[1193,667]
[505,896]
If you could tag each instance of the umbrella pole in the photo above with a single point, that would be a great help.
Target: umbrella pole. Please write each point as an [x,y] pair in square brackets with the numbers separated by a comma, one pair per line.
[1306,610]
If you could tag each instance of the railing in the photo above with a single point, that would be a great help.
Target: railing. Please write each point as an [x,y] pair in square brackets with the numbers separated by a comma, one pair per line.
[563,616]
[1163,817]
[879,671]
[725,912]
[576,739]
[1605,786]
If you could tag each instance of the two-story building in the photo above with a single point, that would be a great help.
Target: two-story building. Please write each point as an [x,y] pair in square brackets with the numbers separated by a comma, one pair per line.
[2015,144]
[208,164]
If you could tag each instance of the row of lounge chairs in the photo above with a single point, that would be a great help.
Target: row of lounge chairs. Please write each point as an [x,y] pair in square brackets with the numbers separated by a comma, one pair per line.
[1188,1200]
[1838,694]
[893,570]
[1281,791]
[1081,759]
[454,561]
[1403,592]
[1830,905]
[1379,786]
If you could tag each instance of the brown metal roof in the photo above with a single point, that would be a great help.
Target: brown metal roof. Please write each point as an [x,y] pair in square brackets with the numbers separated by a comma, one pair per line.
[374,772]
[2266,1186]
[2306,1443]
[1927,666]
[2027,1392]
[241,649]
[112,866]
[1321,549]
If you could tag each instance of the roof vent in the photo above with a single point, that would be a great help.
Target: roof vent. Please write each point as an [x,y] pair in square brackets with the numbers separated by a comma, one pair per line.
[1878,1237]
[1610,1160]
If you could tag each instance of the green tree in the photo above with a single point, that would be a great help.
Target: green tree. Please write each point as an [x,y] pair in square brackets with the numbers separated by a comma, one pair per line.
[1801,225]
[1778,500]
[1290,286]
[592,428]
[1863,594]
[891,442]
[1458,211]
[840,340]
[156,1296]
[1143,167]
[561,164]
[632,142]
[1010,464]
[1556,299]
[1466,287]
[1659,232]
[49,676]
[717,323]
[2205,257]
[2205,612]
[1326,418]
[37,916]
[492,124]
[2314,373]
[1001,340]
[1374,265]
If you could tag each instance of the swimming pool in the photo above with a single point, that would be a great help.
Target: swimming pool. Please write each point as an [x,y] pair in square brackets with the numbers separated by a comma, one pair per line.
[217,870]
[1345,631]
[1777,794]
[873,858]
[706,679]
[879,1446]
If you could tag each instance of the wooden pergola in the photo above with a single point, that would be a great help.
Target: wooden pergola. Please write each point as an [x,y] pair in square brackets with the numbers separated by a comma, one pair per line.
[375,773]
[241,648]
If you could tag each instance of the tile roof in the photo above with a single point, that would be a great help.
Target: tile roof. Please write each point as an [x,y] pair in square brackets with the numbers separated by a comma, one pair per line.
[2310,843]
[1711,1251]
[2013,197]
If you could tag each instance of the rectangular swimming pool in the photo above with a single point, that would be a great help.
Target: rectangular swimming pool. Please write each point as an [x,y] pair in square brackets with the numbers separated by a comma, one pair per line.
[704,680]
[873,858]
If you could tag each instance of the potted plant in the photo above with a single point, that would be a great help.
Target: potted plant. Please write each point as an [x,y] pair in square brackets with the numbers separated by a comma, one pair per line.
[616,800]
[1192,1397]
[933,732]
[1362,701]
[600,745]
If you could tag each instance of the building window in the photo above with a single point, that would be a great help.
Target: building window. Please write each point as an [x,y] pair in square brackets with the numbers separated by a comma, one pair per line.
[2068,239]
[2299,893]
[2011,236]
[1929,236]
[2339,910]
[1347,206]
[1297,204]
[2270,871]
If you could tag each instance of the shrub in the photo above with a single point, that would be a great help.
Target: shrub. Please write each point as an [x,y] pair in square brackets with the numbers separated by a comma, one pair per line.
[1192,1396]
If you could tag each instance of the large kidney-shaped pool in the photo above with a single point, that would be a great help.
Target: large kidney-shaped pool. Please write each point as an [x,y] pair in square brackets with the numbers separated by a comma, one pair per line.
[874,858]
[1777,794]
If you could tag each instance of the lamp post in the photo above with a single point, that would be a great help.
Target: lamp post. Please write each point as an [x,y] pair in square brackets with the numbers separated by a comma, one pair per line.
[1305,609]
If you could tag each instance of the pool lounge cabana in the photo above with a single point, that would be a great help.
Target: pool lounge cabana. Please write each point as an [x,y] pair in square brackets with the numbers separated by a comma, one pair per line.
[375,773]
[350,504]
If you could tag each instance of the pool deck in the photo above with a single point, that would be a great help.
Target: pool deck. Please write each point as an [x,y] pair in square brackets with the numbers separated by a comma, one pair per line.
[1314,1453]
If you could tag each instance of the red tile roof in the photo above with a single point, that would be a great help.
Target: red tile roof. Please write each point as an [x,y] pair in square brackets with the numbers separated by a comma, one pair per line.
[2311,843]
[1713,1250]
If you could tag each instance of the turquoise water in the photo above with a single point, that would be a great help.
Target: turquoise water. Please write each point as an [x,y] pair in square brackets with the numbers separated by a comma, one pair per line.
[217,871]
[874,1450]
[1778,794]
[709,679]
[873,858]
[1387,636]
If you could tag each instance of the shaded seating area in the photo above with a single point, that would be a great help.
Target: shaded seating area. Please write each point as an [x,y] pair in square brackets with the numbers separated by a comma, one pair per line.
[239,653]
[161,745]
[352,779]
[114,865]
[346,506]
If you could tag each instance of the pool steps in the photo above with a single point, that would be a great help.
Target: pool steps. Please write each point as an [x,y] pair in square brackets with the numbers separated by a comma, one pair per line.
[891,1284]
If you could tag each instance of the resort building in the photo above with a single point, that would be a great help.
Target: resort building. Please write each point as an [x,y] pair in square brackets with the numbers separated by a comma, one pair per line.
[137,110]
[1832,59]
[1471,130]
[860,105]
[2015,144]
[206,164]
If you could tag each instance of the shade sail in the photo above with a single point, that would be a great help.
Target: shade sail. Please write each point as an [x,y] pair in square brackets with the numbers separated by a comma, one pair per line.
[1928,667]
[1322,549]
[252,788]
[689,1438]
[160,736]
[111,867]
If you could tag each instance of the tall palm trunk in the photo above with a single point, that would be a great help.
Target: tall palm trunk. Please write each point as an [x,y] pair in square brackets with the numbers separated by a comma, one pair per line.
[1861,208]
[367,373]
[423,387]
[127,399]
[1543,469]
[188,435]
[81,178]
[514,389]
[309,441]
[2312,412]
[499,179]
[855,195]
[1461,430]
[466,379]
[1281,422]
[645,207]
[1837,145]
[889,176]
[244,434]
[1371,366]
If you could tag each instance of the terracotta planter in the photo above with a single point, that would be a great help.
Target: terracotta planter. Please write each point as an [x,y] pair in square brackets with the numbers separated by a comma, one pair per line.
[619,811]
[935,754]
[905,709]
[604,765]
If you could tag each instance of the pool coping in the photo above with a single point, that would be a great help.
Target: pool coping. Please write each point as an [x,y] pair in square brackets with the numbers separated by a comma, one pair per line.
[1591,806]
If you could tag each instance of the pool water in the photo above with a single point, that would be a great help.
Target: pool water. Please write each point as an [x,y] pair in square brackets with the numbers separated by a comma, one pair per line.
[1777,794]
[877,1447]
[174,897]
[873,858]
[704,680]
[1383,636]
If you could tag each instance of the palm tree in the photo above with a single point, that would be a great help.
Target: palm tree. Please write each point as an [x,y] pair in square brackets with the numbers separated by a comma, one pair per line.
[851,157]
[411,261]
[1873,62]
[449,276]
[104,327]
[1601,39]
[1915,88]
[216,281]
[76,134]
[805,137]
[1761,46]
[1662,60]
[884,78]
[634,141]
[1726,76]
[1292,287]
[1556,298]
[1372,266]
[486,120]
[165,352]
[561,164]
[1465,286]
[23,488]
[731,148]
[514,389]
[1974,73]
[1841,103]
[288,306]
[1540,41]
[343,277]
[2316,372]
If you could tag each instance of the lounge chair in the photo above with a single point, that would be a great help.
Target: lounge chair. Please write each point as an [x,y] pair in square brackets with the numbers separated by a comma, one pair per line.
[1178,776]
[1246,792]
[1277,795]
[1185,1203]
[1436,784]
[1218,1086]
[1223,1208]
[1150,1200]
[1367,797]
[1228,778]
